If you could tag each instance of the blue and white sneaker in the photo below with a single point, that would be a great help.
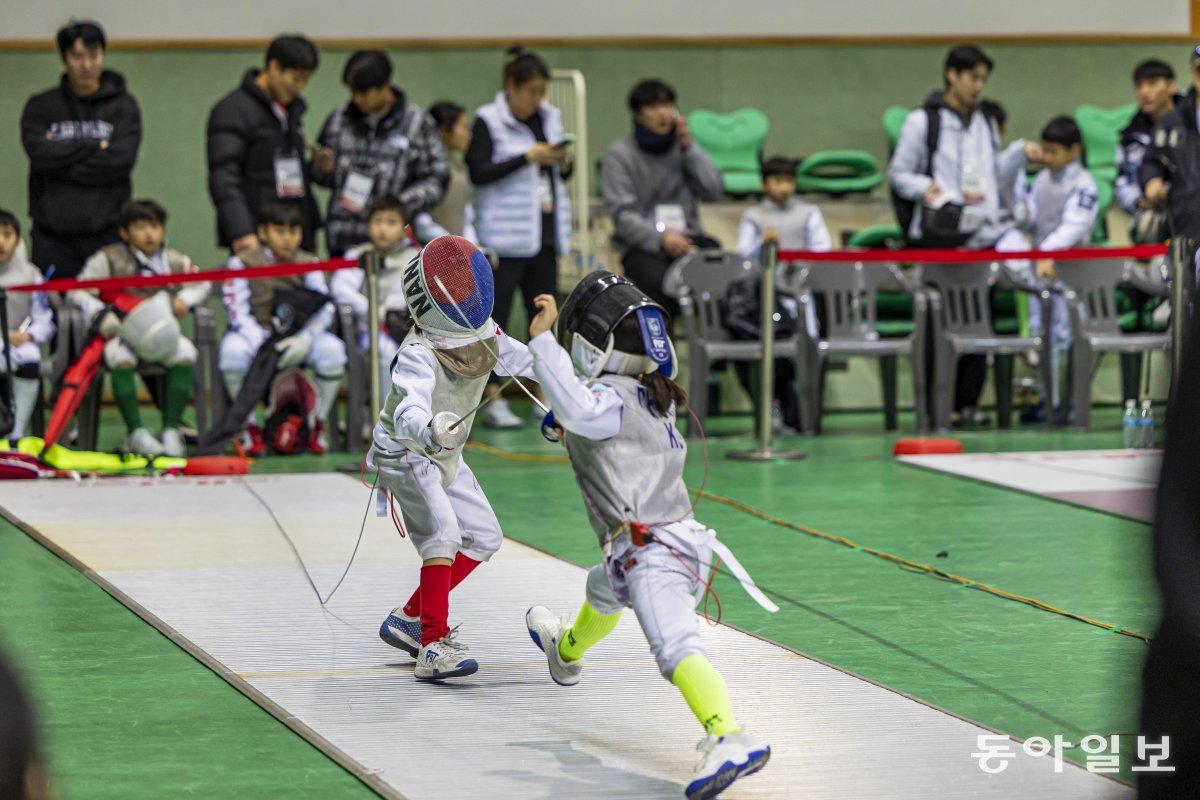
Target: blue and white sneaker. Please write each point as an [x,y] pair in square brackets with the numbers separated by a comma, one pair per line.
[402,631]
[725,759]
[445,658]
[546,629]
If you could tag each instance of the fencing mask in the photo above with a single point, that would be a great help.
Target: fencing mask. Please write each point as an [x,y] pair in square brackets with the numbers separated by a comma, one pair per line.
[151,330]
[593,311]
[466,276]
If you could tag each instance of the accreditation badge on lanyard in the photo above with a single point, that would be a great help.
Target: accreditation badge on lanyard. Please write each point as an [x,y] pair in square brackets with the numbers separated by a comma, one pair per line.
[546,193]
[670,217]
[289,176]
[356,192]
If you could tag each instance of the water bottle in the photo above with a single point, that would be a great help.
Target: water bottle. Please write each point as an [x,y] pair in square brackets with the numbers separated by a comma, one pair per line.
[1146,426]
[1129,425]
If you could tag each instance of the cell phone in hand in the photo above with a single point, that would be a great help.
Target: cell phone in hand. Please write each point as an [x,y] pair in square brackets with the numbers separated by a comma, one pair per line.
[567,140]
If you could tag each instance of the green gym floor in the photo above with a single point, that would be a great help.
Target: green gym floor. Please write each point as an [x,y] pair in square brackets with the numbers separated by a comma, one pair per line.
[127,714]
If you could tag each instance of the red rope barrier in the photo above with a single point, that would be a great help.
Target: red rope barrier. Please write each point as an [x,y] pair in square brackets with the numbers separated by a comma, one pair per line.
[174,279]
[920,255]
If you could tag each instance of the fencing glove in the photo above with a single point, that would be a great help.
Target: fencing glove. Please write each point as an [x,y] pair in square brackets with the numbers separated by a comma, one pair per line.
[293,350]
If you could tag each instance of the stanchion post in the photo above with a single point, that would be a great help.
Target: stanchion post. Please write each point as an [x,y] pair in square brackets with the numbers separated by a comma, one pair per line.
[766,389]
[1182,271]
[371,266]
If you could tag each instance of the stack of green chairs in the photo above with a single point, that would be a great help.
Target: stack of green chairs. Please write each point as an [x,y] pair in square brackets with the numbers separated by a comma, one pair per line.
[734,142]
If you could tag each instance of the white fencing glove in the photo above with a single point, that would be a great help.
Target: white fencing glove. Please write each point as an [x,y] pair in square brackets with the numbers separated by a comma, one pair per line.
[110,325]
[293,350]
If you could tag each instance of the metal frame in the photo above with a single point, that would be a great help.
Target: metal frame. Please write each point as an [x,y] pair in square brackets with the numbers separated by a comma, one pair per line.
[567,91]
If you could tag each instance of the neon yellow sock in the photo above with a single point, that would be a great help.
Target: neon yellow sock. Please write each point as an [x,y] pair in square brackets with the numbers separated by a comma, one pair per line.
[590,627]
[704,689]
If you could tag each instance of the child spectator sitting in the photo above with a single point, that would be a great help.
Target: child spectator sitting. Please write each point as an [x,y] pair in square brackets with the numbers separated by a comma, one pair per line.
[386,222]
[31,324]
[780,217]
[250,304]
[793,225]
[1059,212]
[142,227]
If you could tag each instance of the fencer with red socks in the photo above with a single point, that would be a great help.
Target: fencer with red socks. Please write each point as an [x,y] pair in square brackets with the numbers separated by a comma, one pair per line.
[437,378]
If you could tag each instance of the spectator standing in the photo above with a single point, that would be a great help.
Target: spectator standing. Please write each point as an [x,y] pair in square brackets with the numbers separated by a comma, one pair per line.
[454,214]
[653,182]
[518,160]
[256,146]
[82,139]
[1170,170]
[954,187]
[1157,93]
[377,144]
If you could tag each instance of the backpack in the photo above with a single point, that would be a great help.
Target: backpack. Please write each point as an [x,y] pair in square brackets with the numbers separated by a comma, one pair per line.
[906,209]
[742,311]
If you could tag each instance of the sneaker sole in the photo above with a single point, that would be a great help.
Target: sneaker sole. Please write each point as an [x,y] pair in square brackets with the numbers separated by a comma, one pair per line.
[385,633]
[468,667]
[727,775]
[537,639]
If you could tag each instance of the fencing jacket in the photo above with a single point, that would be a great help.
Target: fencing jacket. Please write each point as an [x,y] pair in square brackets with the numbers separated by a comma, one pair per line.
[800,226]
[1062,207]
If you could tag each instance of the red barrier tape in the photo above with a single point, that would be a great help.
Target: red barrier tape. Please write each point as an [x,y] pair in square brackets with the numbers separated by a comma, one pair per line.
[920,255]
[207,276]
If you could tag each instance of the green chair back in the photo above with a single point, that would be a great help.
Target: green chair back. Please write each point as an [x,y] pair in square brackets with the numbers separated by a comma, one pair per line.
[734,142]
[893,121]
[838,172]
[1101,129]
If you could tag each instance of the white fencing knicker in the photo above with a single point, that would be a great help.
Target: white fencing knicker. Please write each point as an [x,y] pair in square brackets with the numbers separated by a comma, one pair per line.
[663,581]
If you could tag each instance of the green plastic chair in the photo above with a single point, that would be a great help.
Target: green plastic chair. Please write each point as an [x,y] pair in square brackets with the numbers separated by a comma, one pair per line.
[876,236]
[893,121]
[838,172]
[1101,129]
[734,142]
[1105,194]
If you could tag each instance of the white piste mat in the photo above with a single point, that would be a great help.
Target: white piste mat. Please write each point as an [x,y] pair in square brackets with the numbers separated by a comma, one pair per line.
[1121,482]
[202,560]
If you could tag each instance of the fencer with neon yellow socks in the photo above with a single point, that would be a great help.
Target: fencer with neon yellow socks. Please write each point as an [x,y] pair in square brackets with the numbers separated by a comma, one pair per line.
[437,381]
[609,380]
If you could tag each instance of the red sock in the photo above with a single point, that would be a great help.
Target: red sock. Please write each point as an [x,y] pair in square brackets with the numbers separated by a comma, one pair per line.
[435,603]
[462,567]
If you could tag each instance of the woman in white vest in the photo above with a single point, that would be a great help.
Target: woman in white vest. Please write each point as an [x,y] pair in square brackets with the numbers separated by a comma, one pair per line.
[518,160]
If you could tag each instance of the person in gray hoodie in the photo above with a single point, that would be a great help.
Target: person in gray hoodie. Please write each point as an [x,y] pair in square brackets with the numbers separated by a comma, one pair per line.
[653,182]
[957,182]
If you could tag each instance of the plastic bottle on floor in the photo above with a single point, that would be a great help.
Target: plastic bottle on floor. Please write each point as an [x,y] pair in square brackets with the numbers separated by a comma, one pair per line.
[1129,426]
[1146,426]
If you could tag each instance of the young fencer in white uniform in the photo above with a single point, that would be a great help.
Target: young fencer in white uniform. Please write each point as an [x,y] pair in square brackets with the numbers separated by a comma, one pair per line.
[614,406]
[441,368]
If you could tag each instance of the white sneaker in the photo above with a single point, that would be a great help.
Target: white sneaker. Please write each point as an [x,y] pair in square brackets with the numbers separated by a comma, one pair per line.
[725,759]
[545,629]
[445,658]
[142,442]
[497,414]
[173,444]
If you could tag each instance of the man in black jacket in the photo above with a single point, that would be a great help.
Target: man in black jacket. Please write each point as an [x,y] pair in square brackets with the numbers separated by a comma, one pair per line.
[376,145]
[256,146]
[1155,88]
[1170,171]
[82,139]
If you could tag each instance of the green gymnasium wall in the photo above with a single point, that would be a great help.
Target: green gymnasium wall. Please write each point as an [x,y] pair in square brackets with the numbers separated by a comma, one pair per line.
[818,97]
